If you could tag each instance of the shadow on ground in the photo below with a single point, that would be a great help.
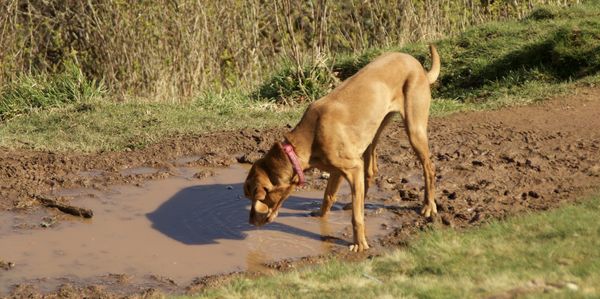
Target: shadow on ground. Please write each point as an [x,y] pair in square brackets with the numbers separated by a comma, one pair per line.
[204,214]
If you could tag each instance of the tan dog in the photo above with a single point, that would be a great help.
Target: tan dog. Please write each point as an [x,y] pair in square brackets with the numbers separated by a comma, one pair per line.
[339,132]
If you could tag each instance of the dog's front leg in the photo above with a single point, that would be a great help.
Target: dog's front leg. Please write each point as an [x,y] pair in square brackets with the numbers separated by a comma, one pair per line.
[333,185]
[355,178]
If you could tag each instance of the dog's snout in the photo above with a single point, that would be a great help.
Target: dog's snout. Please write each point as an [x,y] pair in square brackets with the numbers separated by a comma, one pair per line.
[257,219]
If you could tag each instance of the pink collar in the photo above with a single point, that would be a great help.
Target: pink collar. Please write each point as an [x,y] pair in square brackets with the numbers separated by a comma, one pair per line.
[289,150]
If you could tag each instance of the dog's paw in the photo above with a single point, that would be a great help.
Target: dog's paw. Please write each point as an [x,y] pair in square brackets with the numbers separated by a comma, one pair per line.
[429,210]
[361,246]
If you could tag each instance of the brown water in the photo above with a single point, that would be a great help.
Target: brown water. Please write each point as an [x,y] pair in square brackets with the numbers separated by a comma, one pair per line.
[180,228]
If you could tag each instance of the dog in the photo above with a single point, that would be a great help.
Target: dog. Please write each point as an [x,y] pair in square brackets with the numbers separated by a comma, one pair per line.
[339,133]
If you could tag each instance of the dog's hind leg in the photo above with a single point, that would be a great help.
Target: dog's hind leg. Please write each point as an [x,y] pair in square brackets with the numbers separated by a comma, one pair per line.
[370,160]
[333,185]
[370,155]
[416,117]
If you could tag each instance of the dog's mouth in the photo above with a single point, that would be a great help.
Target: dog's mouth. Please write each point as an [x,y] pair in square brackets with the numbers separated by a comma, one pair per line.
[261,214]
[260,219]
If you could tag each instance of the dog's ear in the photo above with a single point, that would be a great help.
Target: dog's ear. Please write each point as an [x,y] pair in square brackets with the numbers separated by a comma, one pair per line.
[261,207]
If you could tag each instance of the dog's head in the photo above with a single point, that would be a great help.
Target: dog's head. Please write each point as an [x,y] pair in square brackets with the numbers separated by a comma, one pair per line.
[266,189]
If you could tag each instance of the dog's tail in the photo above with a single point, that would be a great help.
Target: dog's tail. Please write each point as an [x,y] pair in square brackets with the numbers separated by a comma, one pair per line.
[434,72]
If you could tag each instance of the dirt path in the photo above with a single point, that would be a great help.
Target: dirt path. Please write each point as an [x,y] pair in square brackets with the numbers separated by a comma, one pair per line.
[489,165]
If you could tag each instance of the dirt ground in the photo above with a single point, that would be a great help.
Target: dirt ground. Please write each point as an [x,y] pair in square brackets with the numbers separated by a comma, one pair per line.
[489,165]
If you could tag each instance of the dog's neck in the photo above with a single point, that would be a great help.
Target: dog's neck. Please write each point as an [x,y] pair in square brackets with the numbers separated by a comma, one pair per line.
[278,165]
[302,151]
[278,162]
[291,154]
[301,139]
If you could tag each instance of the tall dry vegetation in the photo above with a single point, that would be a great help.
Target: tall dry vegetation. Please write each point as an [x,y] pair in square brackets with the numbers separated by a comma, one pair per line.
[176,48]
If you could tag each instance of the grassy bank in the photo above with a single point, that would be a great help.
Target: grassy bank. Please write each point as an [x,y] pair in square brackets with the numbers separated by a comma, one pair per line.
[548,53]
[551,254]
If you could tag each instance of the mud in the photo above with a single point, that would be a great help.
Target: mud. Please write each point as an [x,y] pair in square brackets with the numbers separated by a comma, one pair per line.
[489,165]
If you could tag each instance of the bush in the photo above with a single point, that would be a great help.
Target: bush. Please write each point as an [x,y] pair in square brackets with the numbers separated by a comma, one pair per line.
[542,13]
[290,86]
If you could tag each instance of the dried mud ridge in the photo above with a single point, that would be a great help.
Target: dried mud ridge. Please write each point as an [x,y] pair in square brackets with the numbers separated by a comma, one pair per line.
[489,165]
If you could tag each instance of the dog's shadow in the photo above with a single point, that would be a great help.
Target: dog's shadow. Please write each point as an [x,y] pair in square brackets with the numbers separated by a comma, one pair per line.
[206,213]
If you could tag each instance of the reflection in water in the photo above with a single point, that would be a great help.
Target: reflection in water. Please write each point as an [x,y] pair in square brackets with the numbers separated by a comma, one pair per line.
[325,234]
[256,260]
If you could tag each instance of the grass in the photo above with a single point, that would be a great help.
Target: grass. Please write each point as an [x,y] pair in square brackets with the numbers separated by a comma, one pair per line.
[496,59]
[106,125]
[547,254]
[152,49]
[31,92]
[483,64]
[490,66]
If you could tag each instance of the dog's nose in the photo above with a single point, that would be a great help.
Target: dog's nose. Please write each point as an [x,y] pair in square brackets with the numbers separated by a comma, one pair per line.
[257,219]
[252,220]
[256,222]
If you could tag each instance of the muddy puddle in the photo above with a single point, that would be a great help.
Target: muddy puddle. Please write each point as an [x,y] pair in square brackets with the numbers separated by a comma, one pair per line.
[177,228]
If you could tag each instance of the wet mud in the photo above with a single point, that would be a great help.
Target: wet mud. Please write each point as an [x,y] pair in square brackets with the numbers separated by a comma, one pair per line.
[489,165]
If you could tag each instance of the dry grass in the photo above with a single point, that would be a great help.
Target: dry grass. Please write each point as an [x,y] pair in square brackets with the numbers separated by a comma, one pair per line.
[168,50]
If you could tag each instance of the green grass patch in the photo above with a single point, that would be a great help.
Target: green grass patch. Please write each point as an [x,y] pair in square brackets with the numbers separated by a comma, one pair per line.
[510,57]
[547,254]
[98,125]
